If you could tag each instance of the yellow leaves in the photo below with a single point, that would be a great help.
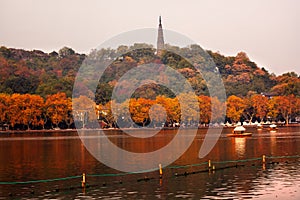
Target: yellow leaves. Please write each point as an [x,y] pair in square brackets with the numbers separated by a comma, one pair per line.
[31,110]
[157,113]
[24,109]
[218,109]
[190,106]
[58,107]
[169,110]
[205,108]
[260,104]
[139,109]
[84,104]
[4,102]
[171,106]
[272,110]
[142,110]
[235,107]
[286,105]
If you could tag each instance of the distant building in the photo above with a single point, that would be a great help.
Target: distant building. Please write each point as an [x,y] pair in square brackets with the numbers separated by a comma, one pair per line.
[160,38]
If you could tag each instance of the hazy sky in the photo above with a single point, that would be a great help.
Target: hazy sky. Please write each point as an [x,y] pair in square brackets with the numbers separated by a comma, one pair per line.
[267,30]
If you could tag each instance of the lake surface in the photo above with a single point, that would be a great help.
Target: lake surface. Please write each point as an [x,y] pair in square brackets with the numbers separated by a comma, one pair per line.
[44,156]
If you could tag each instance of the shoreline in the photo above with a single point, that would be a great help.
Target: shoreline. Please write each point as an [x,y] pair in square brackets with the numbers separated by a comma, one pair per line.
[116,129]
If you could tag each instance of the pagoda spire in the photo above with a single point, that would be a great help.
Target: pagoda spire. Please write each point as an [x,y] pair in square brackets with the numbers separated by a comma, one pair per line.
[160,38]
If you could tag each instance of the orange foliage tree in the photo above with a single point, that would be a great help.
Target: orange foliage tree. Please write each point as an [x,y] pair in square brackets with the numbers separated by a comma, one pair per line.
[4,103]
[286,105]
[83,105]
[218,110]
[33,111]
[190,107]
[257,105]
[260,104]
[139,109]
[205,108]
[16,105]
[172,108]
[57,108]
[235,107]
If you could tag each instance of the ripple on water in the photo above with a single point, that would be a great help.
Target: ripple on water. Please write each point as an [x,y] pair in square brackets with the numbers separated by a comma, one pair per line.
[184,195]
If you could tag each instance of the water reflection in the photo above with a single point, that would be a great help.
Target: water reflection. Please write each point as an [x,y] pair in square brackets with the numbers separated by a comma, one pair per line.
[57,155]
[273,142]
[240,146]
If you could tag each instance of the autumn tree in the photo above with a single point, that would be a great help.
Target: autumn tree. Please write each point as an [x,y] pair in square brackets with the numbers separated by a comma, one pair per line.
[260,104]
[57,108]
[120,113]
[272,108]
[256,106]
[172,108]
[286,106]
[190,107]
[15,108]
[157,115]
[25,109]
[106,114]
[235,108]
[4,104]
[84,109]
[33,110]
[139,109]
[218,110]
[205,108]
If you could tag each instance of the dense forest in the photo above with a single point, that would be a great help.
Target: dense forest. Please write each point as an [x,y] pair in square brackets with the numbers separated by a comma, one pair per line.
[35,76]
[36,72]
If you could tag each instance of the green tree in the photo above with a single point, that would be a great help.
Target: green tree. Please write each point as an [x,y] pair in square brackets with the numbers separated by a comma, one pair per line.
[66,51]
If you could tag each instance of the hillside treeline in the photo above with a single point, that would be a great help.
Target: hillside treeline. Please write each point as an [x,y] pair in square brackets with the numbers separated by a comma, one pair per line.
[36,72]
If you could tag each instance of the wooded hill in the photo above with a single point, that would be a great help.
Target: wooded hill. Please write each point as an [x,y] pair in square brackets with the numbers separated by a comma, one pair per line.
[36,72]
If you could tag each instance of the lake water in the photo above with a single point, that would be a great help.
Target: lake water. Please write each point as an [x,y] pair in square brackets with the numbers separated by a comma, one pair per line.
[44,156]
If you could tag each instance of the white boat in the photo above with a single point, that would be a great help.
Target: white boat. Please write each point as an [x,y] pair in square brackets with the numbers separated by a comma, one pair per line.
[239,131]
[273,127]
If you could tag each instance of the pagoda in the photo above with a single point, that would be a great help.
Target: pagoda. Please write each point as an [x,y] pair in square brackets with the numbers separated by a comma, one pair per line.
[160,38]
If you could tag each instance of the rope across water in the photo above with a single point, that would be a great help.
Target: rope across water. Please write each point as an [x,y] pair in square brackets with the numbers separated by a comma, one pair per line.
[129,173]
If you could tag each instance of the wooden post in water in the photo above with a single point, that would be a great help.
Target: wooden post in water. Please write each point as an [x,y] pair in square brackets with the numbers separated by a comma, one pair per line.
[83,181]
[160,171]
[209,166]
[264,162]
